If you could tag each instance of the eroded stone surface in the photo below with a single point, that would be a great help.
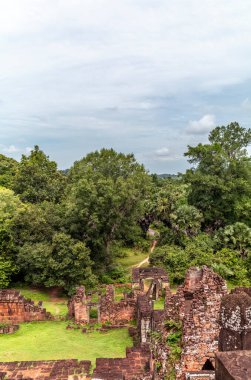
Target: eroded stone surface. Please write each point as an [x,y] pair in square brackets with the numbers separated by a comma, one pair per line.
[197,305]
[235,321]
[233,365]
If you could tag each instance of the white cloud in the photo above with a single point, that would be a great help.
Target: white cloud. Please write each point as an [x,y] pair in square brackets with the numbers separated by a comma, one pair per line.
[11,149]
[65,63]
[165,154]
[28,149]
[201,126]
[246,104]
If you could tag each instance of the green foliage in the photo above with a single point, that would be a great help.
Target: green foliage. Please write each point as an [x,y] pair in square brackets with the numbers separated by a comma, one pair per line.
[38,179]
[231,266]
[173,342]
[176,260]
[221,177]
[37,223]
[64,263]
[115,274]
[3,325]
[7,268]
[10,205]
[199,251]
[173,338]
[105,200]
[185,222]
[8,168]
[94,313]
[171,324]
[236,236]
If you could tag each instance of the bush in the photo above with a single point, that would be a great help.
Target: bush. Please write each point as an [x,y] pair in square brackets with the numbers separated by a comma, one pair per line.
[199,251]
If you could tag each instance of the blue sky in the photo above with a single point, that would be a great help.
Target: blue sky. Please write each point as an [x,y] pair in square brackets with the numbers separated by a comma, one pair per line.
[141,76]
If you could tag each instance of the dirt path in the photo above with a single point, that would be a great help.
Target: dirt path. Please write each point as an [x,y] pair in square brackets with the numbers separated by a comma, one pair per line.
[146,261]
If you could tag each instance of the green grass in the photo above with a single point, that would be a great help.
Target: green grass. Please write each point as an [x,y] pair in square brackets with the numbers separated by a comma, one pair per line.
[57,308]
[159,304]
[34,294]
[51,341]
[132,257]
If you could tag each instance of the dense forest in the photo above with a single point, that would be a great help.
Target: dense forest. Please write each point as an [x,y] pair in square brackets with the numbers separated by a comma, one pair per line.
[64,228]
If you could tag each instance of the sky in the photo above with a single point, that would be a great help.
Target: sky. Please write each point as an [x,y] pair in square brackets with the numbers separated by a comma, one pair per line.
[144,76]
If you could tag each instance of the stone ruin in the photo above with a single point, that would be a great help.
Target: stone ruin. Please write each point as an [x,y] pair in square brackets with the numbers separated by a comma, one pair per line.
[197,305]
[108,310]
[234,360]
[79,307]
[117,312]
[71,369]
[157,276]
[233,365]
[136,366]
[8,329]
[14,308]
[235,321]
[211,321]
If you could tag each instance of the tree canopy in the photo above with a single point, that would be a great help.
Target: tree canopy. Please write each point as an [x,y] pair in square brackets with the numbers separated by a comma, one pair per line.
[38,179]
[105,199]
[220,179]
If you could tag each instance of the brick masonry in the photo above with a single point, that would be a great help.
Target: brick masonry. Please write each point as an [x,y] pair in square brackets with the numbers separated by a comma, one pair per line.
[136,366]
[78,308]
[43,370]
[14,308]
[9,329]
[197,304]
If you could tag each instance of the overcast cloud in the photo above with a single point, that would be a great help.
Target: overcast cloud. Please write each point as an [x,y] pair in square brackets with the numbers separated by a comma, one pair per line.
[141,76]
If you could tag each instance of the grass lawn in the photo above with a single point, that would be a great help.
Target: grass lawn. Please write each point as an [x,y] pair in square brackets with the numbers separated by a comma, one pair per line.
[51,340]
[132,257]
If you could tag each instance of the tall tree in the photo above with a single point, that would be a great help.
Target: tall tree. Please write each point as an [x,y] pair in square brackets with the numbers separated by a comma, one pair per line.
[38,179]
[221,176]
[105,199]
[64,263]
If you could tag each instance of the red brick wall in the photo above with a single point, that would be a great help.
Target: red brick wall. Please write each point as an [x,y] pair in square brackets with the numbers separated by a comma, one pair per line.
[44,370]
[116,312]
[136,365]
[14,308]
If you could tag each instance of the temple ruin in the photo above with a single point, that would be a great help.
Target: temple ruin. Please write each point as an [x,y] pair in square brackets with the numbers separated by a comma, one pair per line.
[14,308]
[215,330]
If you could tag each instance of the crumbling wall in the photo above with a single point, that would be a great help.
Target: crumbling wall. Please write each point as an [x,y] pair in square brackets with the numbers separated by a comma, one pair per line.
[197,305]
[117,312]
[159,282]
[45,370]
[144,317]
[14,308]
[77,306]
[136,366]
[9,329]
[235,321]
